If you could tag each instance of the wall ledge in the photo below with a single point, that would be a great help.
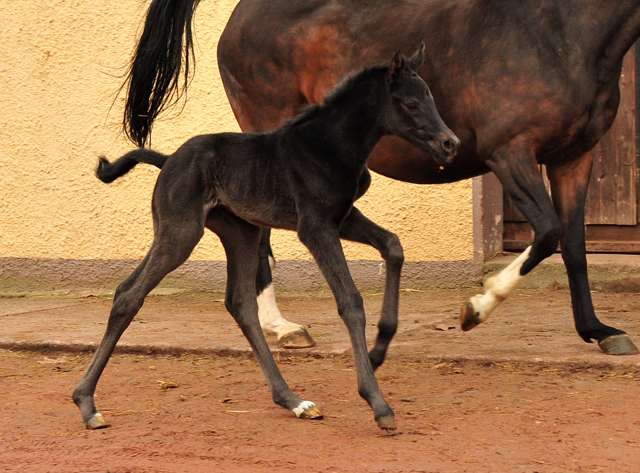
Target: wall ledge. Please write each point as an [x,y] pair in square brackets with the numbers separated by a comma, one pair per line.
[103,276]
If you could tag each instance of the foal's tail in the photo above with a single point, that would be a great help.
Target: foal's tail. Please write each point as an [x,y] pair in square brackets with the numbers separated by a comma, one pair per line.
[153,82]
[108,172]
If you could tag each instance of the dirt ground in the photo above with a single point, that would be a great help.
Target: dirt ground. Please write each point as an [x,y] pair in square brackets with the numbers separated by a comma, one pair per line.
[521,393]
[202,414]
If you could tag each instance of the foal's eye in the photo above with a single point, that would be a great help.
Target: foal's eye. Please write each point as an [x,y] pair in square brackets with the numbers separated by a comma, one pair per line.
[412,107]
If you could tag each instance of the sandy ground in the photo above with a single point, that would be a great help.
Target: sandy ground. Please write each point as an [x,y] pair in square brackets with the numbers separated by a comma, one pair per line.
[522,393]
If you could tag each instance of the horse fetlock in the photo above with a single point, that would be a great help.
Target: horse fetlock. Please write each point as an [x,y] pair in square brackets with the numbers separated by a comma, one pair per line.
[377,356]
[497,289]
[469,317]
[387,329]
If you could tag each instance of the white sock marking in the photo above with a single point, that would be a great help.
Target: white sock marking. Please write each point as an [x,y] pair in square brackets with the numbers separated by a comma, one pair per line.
[303,406]
[499,287]
[271,320]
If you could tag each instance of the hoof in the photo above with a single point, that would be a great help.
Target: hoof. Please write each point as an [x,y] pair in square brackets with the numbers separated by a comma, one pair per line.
[297,339]
[96,422]
[618,345]
[387,422]
[308,410]
[469,318]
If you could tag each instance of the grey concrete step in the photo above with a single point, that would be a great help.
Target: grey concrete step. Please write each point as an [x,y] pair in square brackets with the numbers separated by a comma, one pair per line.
[607,272]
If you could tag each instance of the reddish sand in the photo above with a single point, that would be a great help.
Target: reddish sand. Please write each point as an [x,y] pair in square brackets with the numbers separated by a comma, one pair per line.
[207,413]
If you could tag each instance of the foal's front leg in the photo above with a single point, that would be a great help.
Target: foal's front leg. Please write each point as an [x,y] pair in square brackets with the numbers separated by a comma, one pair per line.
[323,241]
[357,227]
[240,241]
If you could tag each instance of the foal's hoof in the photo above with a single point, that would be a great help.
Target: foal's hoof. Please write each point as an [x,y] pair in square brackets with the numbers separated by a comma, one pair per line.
[469,317]
[298,339]
[308,410]
[96,422]
[387,422]
[618,345]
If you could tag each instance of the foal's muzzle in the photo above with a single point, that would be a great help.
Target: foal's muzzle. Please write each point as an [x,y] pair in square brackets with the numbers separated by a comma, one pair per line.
[445,146]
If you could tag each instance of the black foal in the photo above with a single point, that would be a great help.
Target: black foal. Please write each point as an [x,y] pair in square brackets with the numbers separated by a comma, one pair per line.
[233,184]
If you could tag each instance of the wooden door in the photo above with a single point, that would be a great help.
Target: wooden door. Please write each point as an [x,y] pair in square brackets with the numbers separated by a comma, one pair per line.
[612,200]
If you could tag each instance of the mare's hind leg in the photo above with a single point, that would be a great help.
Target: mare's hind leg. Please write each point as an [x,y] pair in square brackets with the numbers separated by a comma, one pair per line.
[171,246]
[289,334]
[569,182]
[323,241]
[240,241]
[357,227]
[517,169]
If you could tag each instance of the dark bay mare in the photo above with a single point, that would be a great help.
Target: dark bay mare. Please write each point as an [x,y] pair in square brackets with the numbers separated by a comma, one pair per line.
[522,83]
[304,176]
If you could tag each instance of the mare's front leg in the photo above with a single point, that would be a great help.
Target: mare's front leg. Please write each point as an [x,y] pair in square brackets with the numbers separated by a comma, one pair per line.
[357,227]
[569,182]
[240,241]
[517,169]
[289,334]
[323,241]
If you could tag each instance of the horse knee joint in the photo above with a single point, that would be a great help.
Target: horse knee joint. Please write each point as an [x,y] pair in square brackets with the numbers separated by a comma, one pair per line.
[124,307]
[548,242]
[395,253]
[353,304]
[577,260]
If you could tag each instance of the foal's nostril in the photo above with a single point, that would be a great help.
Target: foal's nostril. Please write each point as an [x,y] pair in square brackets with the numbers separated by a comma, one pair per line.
[449,145]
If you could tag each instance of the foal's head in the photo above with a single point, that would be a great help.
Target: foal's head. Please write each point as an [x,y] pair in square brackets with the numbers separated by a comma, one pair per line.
[410,111]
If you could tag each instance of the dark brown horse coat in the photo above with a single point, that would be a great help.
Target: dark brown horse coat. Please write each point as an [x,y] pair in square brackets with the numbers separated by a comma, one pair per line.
[519,82]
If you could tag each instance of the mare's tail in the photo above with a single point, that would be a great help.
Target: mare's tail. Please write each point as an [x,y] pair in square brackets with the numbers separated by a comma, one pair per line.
[154,75]
[109,172]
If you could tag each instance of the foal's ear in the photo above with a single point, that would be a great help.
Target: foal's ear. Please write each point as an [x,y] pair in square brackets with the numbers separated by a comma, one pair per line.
[417,59]
[397,63]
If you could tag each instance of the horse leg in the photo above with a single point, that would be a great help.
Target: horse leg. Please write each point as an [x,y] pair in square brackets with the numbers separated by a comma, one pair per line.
[171,247]
[240,240]
[289,335]
[323,241]
[357,227]
[517,169]
[569,182]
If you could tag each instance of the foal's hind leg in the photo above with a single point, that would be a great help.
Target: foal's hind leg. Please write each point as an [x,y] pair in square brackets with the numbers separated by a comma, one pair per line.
[172,245]
[323,241]
[357,227]
[289,334]
[240,241]
[569,183]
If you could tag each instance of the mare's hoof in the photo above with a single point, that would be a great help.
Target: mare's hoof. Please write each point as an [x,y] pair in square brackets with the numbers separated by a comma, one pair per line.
[387,422]
[308,410]
[298,339]
[96,422]
[469,318]
[618,345]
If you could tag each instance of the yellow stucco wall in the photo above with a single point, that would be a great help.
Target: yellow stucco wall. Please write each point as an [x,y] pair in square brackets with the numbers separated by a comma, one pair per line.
[61,64]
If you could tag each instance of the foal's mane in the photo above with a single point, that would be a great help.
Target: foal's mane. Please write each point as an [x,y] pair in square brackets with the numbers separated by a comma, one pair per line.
[340,92]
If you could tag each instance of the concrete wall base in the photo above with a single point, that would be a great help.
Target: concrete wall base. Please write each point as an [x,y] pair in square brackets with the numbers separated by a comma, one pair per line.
[103,276]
